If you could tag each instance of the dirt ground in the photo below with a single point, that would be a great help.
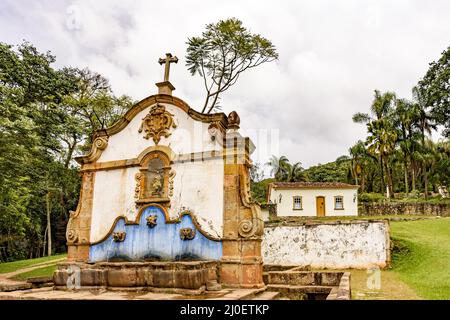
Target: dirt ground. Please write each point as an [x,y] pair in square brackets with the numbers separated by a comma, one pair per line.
[385,285]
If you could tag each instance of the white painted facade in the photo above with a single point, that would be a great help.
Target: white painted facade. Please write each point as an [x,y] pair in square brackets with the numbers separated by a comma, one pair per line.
[284,200]
[189,136]
[198,186]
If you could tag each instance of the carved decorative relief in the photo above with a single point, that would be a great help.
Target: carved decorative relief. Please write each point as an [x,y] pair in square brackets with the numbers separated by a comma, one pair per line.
[72,236]
[172,175]
[254,226]
[216,132]
[100,143]
[233,120]
[187,233]
[137,190]
[245,228]
[151,221]
[119,236]
[154,182]
[157,123]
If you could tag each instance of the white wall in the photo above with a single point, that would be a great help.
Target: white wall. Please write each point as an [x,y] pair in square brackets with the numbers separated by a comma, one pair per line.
[285,208]
[189,136]
[344,245]
[198,186]
[265,214]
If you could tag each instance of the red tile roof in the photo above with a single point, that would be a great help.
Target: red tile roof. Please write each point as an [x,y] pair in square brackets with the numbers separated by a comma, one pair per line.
[312,185]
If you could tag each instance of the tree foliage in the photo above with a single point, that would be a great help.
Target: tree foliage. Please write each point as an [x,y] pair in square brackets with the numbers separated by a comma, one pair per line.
[47,118]
[434,88]
[224,51]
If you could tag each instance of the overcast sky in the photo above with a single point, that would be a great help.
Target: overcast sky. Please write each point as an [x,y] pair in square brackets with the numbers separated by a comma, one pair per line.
[333,54]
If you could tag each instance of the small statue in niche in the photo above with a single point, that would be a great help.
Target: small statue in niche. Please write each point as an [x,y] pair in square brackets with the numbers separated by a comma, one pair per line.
[119,236]
[157,185]
[187,233]
[151,221]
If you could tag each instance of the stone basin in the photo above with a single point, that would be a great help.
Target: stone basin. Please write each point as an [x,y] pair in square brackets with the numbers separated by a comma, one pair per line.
[193,276]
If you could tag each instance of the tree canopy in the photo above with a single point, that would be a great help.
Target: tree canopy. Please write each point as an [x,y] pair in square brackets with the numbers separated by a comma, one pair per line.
[222,53]
[48,116]
[434,88]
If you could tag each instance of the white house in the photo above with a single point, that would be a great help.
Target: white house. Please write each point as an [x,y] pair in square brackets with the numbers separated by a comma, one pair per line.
[319,199]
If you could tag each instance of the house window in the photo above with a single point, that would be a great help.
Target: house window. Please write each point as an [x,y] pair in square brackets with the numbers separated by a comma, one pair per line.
[339,203]
[297,203]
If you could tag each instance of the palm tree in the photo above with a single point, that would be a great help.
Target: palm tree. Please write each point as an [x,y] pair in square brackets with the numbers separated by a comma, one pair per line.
[279,167]
[428,157]
[359,158]
[382,135]
[425,124]
[295,173]
[403,117]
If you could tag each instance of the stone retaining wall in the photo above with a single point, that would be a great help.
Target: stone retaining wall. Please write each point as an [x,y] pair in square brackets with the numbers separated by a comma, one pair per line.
[427,209]
[328,244]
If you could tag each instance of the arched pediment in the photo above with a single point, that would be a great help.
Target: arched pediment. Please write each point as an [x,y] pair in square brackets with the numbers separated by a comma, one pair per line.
[220,118]
[100,138]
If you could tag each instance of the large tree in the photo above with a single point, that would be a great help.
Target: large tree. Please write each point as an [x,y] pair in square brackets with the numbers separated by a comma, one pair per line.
[434,87]
[47,115]
[224,51]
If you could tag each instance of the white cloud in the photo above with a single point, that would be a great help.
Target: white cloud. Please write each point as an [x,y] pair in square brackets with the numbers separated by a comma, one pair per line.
[332,56]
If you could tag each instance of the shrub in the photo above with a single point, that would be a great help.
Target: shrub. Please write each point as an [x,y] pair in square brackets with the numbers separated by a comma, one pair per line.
[371,197]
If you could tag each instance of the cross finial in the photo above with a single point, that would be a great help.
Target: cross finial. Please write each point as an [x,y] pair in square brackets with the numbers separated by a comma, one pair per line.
[167,61]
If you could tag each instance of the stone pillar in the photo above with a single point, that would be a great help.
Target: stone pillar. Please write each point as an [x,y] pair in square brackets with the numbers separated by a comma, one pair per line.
[241,264]
[79,225]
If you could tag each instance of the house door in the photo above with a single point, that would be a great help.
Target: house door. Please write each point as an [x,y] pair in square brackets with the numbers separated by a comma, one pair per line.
[320,206]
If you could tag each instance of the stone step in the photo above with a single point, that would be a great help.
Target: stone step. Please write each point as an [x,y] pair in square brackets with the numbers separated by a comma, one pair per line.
[240,294]
[267,295]
[304,289]
[14,286]
[40,280]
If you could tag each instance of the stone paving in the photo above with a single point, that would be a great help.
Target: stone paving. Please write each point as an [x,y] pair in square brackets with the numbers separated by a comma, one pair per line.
[50,294]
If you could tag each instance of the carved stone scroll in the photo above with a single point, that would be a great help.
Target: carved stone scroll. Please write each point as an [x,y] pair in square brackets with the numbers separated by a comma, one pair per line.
[157,123]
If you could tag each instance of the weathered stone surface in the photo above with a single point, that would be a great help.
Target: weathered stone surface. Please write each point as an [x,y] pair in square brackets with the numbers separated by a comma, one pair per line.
[39,280]
[164,278]
[327,245]
[213,285]
[294,278]
[122,277]
[15,286]
[330,278]
[398,208]
[343,291]
[191,279]
[91,277]
[60,278]
[267,295]
[183,275]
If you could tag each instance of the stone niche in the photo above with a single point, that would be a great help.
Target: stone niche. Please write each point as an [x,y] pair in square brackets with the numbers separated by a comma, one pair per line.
[166,187]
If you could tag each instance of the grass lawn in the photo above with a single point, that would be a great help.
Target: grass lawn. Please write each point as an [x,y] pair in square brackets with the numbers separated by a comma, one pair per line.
[7,267]
[41,272]
[421,257]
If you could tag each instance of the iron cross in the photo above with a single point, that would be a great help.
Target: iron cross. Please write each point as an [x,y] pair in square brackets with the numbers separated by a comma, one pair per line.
[167,60]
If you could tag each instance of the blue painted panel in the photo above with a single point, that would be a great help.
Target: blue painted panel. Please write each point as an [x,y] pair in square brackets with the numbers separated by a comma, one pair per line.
[161,242]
